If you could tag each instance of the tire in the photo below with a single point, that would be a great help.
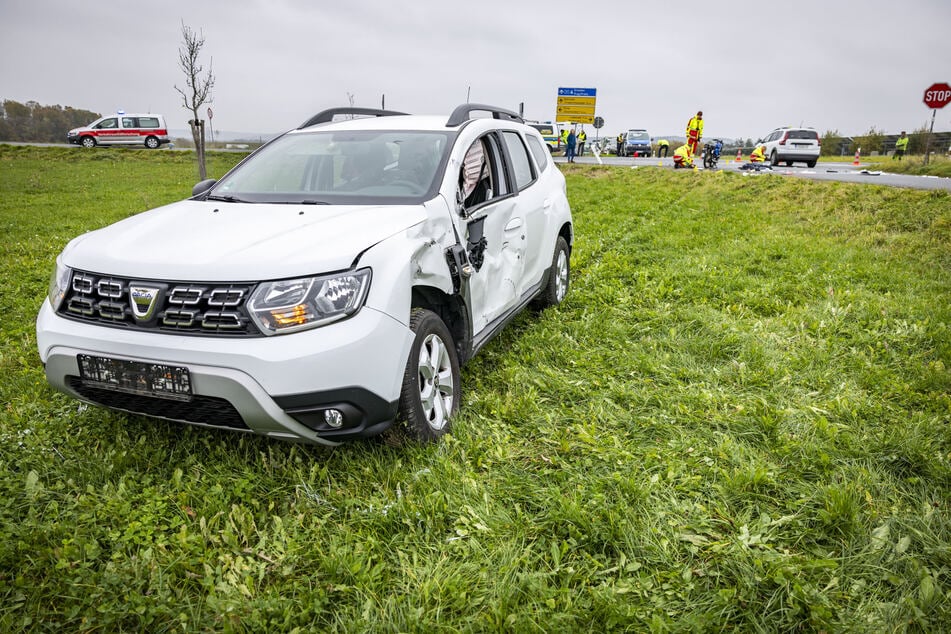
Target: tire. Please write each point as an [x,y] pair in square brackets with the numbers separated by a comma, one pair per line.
[774,159]
[430,394]
[811,163]
[559,279]
[152,143]
[88,141]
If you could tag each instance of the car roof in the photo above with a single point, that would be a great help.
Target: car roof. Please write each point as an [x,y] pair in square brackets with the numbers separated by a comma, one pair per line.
[370,119]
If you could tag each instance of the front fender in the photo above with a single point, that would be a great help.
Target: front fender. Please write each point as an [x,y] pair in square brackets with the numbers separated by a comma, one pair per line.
[414,257]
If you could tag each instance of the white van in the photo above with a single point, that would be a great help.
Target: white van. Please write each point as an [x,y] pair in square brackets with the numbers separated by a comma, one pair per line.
[122,129]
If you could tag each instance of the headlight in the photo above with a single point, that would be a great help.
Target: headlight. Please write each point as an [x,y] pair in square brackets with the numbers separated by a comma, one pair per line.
[308,302]
[59,284]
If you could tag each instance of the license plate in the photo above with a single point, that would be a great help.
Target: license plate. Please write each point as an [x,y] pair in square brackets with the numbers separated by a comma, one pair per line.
[136,377]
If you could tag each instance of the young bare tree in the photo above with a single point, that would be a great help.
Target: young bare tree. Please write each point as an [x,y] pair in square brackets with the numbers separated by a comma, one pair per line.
[197,92]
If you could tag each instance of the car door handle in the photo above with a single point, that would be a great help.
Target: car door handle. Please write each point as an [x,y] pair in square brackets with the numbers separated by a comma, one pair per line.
[547,203]
[514,225]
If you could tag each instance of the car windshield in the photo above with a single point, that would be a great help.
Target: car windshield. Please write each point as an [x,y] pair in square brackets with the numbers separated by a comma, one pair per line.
[638,136]
[354,167]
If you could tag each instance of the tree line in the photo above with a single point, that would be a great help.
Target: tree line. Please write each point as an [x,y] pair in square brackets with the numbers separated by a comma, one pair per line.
[34,122]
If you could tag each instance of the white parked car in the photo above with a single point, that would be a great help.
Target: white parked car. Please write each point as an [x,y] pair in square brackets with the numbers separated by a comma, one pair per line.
[789,145]
[327,287]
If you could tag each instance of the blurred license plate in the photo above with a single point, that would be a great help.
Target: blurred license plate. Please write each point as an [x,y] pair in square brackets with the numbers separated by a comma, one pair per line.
[135,377]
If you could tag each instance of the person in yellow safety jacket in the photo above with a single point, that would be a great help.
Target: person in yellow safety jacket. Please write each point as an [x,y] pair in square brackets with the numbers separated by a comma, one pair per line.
[900,146]
[695,131]
[683,157]
[582,137]
[564,139]
[620,142]
[662,146]
[758,155]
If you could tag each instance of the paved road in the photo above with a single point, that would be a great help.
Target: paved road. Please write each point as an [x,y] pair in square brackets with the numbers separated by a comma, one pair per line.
[827,171]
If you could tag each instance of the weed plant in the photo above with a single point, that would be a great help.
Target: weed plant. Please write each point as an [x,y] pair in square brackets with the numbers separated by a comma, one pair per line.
[738,421]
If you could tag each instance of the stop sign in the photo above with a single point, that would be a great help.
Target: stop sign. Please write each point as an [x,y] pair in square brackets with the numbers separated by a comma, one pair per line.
[938,95]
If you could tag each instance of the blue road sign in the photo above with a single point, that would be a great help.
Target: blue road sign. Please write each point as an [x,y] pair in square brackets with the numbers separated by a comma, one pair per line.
[577,92]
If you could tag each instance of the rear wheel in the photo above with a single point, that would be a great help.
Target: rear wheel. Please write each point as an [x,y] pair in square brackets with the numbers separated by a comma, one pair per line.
[430,392]
[811,163]
[88,141]
[559,278]
[151,142]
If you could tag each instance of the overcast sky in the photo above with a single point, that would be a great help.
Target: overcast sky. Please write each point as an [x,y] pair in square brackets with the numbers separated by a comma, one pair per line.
[750,65]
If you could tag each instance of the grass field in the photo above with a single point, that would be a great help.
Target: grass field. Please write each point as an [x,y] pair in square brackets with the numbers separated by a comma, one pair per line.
[739,420]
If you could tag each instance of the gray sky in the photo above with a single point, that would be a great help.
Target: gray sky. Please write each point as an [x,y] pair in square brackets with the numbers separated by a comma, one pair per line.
[750,65]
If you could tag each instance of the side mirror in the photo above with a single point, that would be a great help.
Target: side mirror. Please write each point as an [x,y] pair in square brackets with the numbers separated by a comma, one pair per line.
[203,187]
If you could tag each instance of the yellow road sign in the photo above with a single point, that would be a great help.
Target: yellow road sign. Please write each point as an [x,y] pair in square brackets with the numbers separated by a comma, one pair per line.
[576,101]
[575,110]
[574,118]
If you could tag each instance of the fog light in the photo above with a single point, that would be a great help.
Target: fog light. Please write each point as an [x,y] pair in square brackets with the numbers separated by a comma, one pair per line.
[333,417]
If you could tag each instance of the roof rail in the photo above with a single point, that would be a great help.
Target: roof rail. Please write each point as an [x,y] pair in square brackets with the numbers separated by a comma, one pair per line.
[326,116]
[462,113]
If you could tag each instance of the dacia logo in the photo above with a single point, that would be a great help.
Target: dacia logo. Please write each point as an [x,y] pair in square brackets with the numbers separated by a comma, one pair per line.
[143,301]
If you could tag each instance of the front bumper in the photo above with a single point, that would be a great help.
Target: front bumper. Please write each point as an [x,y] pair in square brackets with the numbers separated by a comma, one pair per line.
[637,150]
[276,386]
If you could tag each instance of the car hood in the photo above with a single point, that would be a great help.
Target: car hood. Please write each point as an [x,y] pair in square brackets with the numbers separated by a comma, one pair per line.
[220,241]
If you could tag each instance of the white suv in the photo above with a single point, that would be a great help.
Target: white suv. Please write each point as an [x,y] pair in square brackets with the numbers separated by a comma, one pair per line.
[328,286]
[792,144]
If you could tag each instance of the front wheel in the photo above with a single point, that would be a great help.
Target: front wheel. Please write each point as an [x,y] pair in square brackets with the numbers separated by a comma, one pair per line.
[89,142]
[774,159]
[558,279]
[151,142]
[430,394]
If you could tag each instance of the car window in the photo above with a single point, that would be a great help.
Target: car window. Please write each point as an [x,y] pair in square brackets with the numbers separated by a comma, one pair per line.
[359,167]
[483,175]
[148,122]
[107,124]
[804,134]
[521,165]
[544,129]
[539,152]
[128,122]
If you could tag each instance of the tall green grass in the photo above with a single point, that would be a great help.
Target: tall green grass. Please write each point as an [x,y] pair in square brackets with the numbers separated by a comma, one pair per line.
[738,421]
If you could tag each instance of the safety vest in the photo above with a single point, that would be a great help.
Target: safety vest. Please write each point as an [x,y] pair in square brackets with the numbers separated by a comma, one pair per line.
[663,143]
[757,156]
[694,128]
[901,143]
[582,137]
[682,154]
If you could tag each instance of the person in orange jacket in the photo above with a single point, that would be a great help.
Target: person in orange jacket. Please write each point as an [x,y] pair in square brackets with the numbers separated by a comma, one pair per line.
[683,157]
[758,155]
[695,132]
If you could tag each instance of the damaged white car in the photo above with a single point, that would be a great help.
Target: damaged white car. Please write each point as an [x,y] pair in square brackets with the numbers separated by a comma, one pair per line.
[326,288]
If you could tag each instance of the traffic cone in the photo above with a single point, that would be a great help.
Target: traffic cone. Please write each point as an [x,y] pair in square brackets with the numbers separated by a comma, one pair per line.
[857,152]
[739,156]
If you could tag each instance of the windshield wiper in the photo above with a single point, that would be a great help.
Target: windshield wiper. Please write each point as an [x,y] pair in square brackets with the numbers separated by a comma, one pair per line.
[228,199]
[311,201]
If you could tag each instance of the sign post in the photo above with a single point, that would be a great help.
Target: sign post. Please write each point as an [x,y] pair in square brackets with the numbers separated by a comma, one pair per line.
[936,96]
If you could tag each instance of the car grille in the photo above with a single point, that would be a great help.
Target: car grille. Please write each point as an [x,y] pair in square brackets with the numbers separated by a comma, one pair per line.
[205,410]
[218,309]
